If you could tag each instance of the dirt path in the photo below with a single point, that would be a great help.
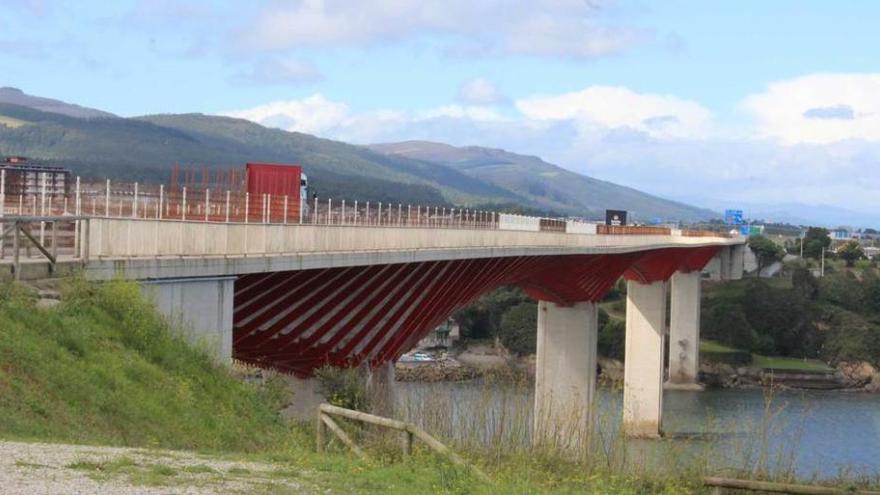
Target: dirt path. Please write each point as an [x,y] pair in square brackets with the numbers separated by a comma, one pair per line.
[37,468]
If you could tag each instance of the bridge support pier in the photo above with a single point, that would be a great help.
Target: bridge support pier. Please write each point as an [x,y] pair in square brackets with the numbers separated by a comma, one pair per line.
[737,261]
[684,332]
[200,307]
[380,382]
[724,255]
[643,367]
[565,375]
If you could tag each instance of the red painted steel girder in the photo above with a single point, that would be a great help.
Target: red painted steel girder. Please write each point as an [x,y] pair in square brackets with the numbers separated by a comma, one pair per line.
[298,321]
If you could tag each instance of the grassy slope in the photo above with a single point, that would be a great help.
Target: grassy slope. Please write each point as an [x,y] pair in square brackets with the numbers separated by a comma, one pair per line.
[106,370]
[11,122]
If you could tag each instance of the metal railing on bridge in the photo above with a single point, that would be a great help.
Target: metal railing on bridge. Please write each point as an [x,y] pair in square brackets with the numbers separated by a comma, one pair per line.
[133,200]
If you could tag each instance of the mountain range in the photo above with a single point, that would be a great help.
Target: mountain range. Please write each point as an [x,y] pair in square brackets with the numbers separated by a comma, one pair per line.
[98,144]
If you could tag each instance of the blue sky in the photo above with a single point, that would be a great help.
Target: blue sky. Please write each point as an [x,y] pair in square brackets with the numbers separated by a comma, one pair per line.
[750,103]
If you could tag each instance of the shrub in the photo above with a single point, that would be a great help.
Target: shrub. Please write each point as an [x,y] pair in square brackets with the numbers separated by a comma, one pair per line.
[612,336]
[726,323]
[343,387]
[518,328]
[843,289]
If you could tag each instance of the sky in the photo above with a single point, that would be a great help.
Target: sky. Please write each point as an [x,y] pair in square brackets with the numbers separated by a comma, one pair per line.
[724,104]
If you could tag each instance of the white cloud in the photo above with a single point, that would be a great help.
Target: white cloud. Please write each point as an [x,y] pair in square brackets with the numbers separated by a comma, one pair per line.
[566,28]
[477,113]
[313,115]
[479,92]
[617,107]
[819,108]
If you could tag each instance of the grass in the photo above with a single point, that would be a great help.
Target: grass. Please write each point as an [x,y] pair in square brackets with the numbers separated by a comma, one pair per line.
[769,362]
[11,122]
[790,364]
[712,346]
[104,368]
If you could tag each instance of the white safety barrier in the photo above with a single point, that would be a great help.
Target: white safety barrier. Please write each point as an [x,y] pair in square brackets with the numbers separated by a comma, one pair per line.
[576,227]
[507,221]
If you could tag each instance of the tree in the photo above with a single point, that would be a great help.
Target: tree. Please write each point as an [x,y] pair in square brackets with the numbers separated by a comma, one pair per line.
[814,240]
[804,283]
[766,251]
[518,328]
[850,252]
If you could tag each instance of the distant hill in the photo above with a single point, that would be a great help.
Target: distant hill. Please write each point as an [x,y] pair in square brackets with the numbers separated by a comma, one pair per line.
[145,149]
[545,184]
[16,96]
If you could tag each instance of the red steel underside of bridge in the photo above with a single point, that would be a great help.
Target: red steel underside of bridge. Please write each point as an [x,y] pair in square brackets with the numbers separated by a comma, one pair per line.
[297,321]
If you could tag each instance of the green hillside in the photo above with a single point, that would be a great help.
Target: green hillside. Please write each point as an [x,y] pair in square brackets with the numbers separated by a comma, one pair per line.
[146,148]
[545,184]
[104,367]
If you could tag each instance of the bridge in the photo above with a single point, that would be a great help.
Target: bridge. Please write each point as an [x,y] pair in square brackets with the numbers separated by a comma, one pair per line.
[348,286]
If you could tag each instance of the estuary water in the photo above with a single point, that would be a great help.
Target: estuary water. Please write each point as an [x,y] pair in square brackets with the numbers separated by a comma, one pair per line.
[816,434]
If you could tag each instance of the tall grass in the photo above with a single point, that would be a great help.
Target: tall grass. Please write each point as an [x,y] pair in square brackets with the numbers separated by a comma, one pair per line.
[105,367]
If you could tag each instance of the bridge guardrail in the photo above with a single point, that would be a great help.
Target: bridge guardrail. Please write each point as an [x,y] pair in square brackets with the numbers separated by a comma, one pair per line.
[134,200]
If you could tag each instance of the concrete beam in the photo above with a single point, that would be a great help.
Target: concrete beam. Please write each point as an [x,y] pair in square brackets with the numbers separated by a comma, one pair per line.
[684,331]
[643,367]
[565,375]
[200,307]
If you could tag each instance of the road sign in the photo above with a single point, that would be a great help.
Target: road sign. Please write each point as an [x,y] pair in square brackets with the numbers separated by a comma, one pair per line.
[615,217]
[733,217]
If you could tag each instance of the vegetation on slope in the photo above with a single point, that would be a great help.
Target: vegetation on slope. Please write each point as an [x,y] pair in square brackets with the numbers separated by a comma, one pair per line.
[835,318]
[146,148]
[104,368]
[545,184]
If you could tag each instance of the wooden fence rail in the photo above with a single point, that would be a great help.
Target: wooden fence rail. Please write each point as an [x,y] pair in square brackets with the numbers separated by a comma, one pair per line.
[47,234]
[410,431]
[768,487]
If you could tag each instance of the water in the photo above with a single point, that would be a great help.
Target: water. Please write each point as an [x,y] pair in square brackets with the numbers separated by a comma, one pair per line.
[817,433]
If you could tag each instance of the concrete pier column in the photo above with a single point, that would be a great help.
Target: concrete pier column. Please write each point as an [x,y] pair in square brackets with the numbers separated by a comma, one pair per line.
[643,367]
[684,332]
[200,307]
[565,375]
[737,261]
[724,257]
[380,382]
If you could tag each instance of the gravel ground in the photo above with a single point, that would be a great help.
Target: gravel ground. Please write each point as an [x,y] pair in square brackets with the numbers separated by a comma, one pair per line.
[38,468]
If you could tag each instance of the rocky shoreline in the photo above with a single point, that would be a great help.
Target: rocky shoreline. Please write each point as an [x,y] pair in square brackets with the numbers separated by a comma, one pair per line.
[489,362]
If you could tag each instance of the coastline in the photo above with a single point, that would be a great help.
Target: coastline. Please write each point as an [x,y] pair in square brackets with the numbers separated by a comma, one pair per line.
[490,362]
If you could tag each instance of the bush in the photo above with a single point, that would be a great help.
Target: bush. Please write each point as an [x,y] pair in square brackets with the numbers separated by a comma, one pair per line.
[518,328]
[843,289]
[343,387]
[612,337]
[850,337]
[727,324]
[482,319]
